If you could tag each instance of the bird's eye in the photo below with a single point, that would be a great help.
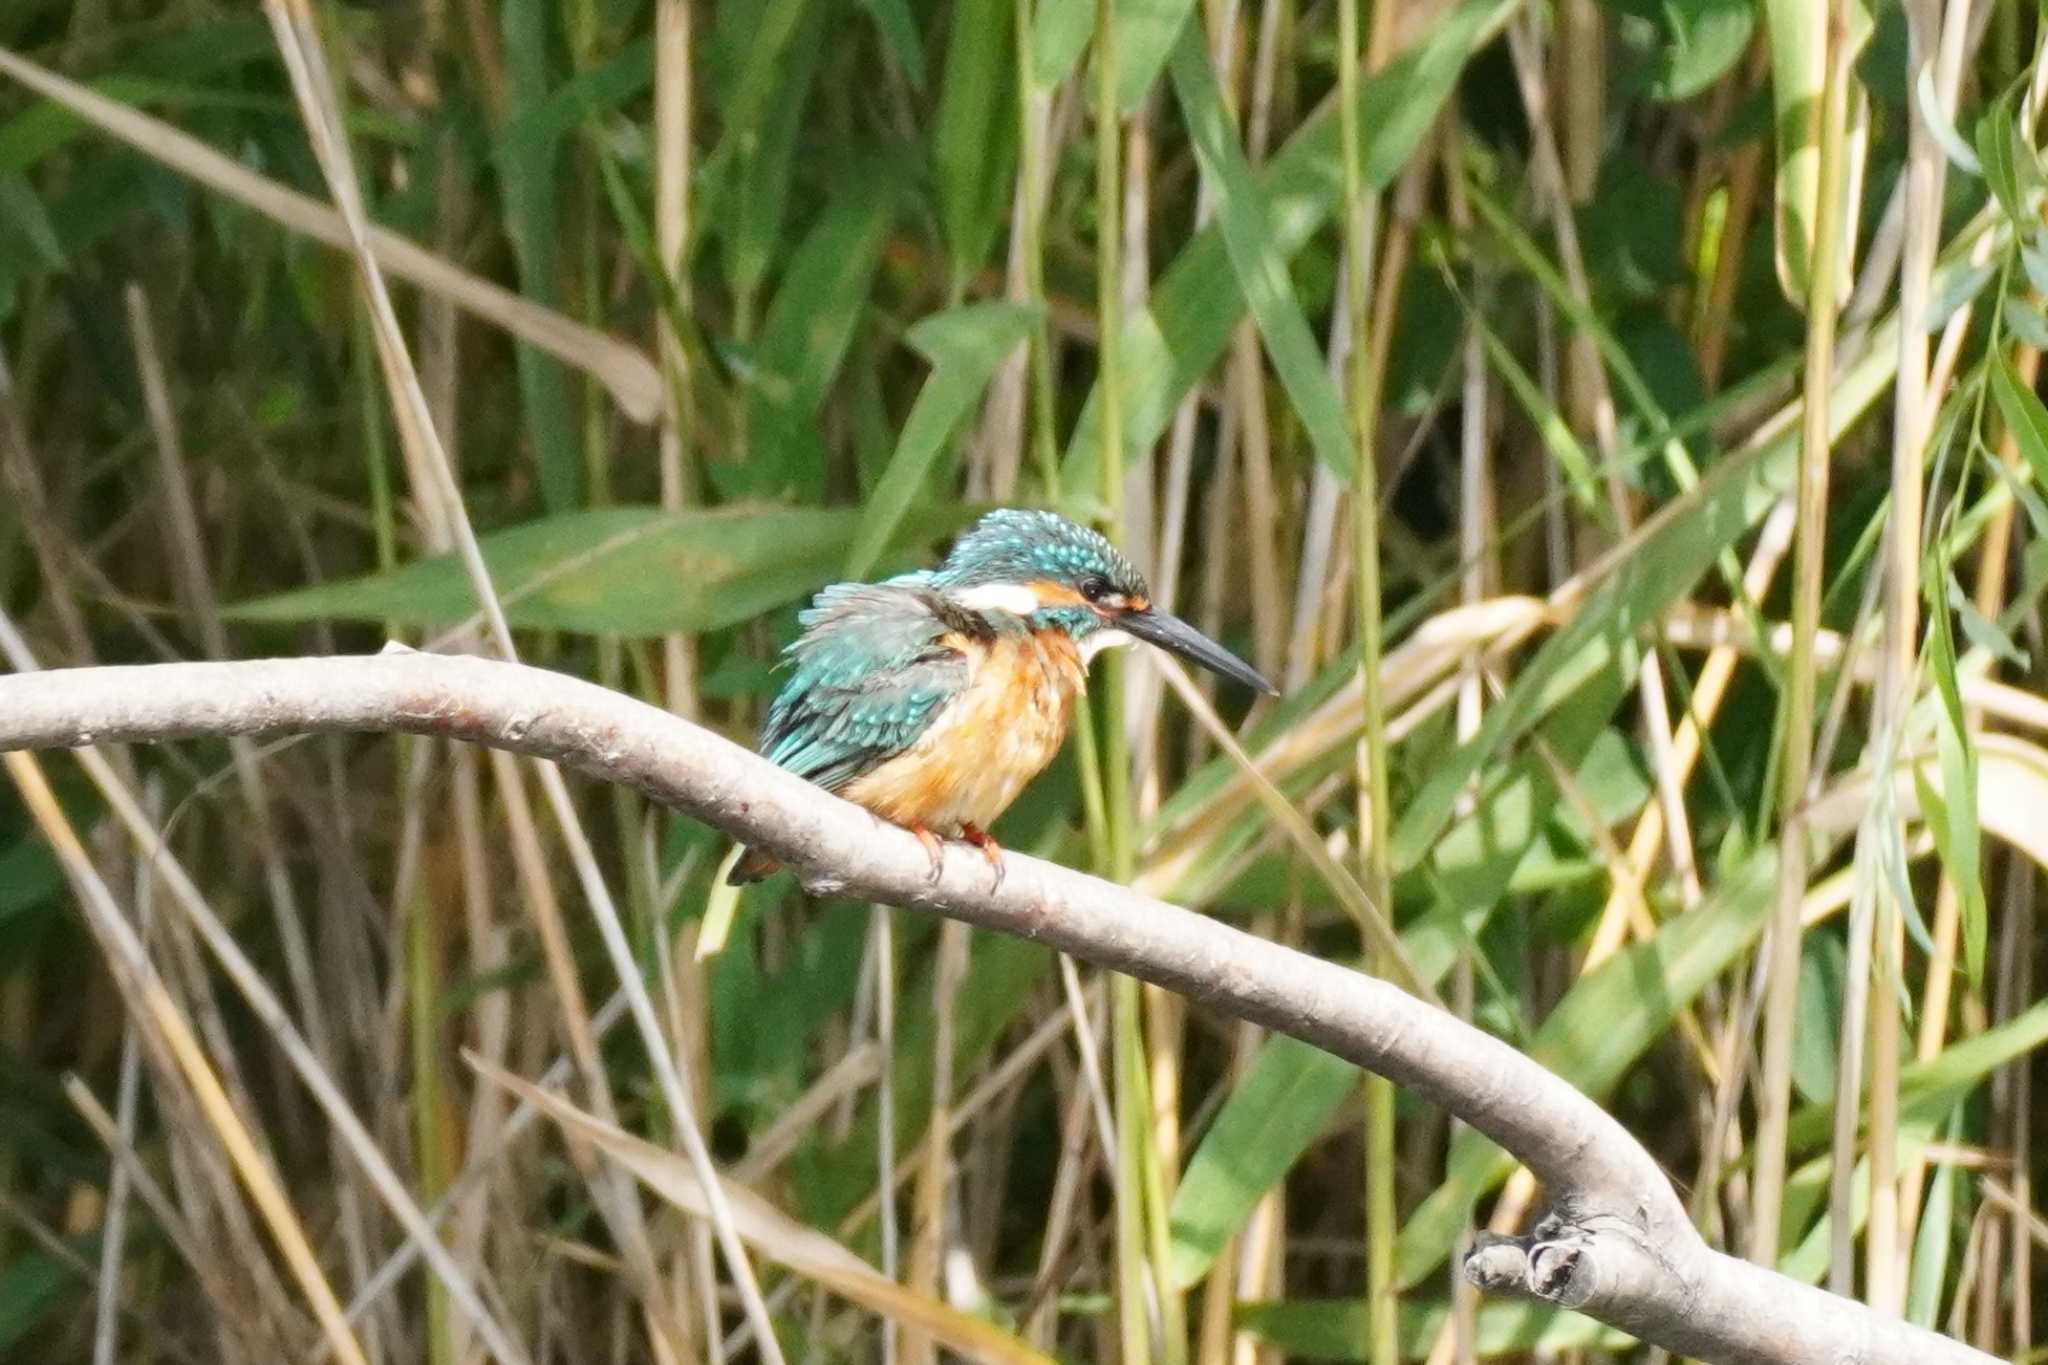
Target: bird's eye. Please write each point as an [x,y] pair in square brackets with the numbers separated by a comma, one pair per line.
[1094,587]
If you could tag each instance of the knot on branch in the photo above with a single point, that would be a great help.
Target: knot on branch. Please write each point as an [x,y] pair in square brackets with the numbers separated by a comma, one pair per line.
[1552,1263]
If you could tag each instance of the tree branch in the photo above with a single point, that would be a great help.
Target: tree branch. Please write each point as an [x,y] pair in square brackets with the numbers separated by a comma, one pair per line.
[1617,1246]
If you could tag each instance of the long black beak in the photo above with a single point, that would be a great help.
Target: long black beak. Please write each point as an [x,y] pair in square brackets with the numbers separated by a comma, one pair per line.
[1170,633]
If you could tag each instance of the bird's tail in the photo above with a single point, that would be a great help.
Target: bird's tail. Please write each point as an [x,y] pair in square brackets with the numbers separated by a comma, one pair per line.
[751,866]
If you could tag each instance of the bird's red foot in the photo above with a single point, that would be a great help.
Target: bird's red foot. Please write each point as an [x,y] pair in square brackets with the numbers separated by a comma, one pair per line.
[990,849]
[934,848]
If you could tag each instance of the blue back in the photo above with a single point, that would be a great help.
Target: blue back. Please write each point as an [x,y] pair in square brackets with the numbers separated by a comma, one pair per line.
[866,678]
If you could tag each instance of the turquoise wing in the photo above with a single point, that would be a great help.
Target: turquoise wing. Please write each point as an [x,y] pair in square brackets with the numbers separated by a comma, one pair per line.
[869,673]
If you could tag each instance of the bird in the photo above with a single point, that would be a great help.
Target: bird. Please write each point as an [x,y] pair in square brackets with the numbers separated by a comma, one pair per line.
[932,698]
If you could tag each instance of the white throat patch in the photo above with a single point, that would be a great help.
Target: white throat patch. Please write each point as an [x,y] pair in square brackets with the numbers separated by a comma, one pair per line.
[1109,637]
[1014,598]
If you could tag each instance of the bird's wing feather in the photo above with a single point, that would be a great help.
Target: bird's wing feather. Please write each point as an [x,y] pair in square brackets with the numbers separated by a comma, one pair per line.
[868,674]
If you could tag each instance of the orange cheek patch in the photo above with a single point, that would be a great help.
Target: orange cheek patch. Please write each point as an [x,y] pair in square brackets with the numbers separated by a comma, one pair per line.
[1051,594]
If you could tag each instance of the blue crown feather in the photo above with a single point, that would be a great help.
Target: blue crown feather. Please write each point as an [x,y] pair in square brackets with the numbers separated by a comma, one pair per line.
[1016,546]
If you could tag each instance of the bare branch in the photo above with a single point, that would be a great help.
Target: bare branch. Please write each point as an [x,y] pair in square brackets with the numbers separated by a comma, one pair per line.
[1618,1245]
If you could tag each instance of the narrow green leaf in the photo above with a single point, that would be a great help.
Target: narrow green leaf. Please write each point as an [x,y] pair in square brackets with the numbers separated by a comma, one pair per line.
[2000,153]
[1929,1089]
[2029,495]
[1195,305]
[1816,1040]
[528,182]
[1703,38]
[1621,359]
[974,135]
[635,571]
[1145,33]
[1798,34]
[43,126]
[29,877]
[965,346]
[803,343]
[33,1285]
[1955,290]
[1544,415]
[1797,31]
[1933,1243]
[1476,860]
[1984,633]
[536,129]
[898,27]
[2024,415]
[2034,259]
[1260,266]
[23,220]
[766,34]
[1282,1105]
[749,172]
[823,290]
[1059,33]
[2026,322]
[1958,838]
[1807,1261]
[976,335]
[764,1013]
[1892,860]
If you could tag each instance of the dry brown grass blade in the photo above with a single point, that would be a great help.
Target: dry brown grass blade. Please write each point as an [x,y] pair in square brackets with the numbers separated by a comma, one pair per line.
[1372,919]
[805,1250]
[1695,627]
[2012,793]
[1436,647]
[145,989]
[630,376]
[350,1131]
[432,474]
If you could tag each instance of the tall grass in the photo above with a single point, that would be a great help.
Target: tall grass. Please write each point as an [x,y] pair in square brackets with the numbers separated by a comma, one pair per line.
[1477,367]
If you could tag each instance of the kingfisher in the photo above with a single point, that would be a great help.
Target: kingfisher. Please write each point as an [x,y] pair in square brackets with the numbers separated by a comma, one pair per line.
[932,698]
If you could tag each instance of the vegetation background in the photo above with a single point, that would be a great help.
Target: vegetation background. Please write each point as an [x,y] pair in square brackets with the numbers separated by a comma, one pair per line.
[709,305]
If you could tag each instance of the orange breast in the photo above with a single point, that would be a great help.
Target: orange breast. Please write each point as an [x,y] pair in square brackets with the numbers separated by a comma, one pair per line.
[988,742]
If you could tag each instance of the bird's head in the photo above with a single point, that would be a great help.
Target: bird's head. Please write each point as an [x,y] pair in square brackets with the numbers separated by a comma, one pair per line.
[1059,576]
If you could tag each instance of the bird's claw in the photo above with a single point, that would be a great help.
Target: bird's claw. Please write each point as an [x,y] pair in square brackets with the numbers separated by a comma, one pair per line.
[990,849]
[934,849]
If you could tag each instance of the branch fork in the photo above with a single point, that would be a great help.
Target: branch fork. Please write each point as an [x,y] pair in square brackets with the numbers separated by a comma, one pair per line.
[1558,1261]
